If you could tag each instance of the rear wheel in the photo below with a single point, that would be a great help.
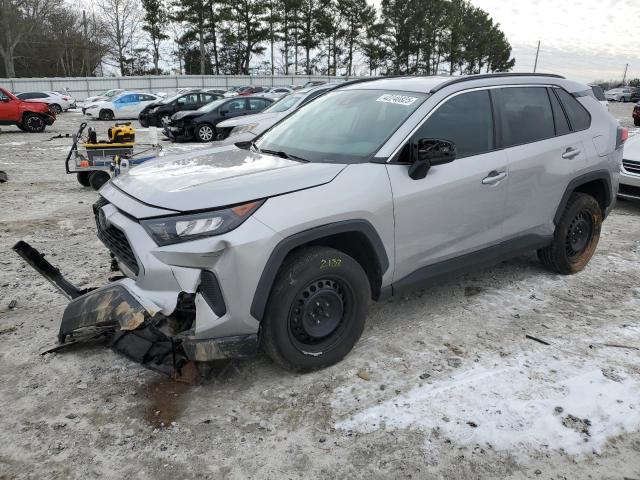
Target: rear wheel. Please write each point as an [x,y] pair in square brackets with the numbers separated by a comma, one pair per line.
[33,123]
[106,114]
[576,236]
[56,108]
[83,178]
[98,178]
[205,132]
[316,311]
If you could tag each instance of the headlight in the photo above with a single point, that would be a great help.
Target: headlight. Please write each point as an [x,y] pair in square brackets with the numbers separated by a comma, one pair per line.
[169,230]
[243,129]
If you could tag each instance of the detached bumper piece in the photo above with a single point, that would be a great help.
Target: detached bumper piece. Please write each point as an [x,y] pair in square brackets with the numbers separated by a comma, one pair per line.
[158,342]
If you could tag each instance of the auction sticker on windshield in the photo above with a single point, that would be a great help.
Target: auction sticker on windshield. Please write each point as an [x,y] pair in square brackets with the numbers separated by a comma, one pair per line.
[398,99]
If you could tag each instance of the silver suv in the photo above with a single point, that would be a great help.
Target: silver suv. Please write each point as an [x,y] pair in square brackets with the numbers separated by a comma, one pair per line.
[375,188]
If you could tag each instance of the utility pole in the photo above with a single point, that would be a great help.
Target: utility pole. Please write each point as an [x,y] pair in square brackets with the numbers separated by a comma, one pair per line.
[535,66]
[624,77]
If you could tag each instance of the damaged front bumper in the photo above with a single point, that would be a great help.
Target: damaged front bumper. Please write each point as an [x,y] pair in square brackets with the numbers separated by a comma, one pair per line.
[136,327]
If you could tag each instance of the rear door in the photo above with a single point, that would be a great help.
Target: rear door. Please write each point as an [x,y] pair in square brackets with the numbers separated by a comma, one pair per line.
[205,98]
[189,101]
[542,151]
[234,108]
[458,207]
[256,105]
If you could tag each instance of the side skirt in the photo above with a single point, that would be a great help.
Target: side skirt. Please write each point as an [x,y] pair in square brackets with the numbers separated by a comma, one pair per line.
[469,262]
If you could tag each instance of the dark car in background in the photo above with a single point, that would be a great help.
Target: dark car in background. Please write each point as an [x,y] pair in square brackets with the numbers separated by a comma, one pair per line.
[153,114]
[635,94]
[201,124]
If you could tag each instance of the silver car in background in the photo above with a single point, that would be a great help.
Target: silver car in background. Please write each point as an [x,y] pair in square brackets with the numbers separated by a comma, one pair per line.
[630,171]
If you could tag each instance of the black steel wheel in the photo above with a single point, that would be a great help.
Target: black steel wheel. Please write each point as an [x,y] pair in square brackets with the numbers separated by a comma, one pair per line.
[576,236]
[316,310]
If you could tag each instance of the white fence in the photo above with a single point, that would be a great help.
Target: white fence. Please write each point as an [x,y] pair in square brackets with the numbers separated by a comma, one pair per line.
[83,87]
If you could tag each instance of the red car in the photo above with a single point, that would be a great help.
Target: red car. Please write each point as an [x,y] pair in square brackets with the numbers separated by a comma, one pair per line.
[28,116]
[636,115]
[251,91]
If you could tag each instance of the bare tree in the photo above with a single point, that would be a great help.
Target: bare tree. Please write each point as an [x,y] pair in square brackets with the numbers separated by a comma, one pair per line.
[17,19]
[122,18]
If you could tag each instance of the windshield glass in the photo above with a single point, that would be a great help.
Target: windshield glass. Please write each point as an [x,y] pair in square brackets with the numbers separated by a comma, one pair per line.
[343,126]
[284,104]
[209,107]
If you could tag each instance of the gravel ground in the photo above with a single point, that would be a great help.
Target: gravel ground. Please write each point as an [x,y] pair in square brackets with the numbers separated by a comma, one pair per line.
[444,383]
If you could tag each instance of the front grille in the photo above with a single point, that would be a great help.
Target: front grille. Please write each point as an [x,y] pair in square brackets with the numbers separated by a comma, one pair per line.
[115,239]
[629,191]
[631,166]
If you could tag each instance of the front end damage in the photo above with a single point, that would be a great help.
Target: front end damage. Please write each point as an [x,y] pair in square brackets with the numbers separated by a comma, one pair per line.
[135,327]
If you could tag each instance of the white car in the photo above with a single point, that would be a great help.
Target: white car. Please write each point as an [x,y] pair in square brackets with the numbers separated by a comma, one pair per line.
[57,102]
[619,94]
[246,128]
[127,105]
[630,171]
[274,92]
[103,96]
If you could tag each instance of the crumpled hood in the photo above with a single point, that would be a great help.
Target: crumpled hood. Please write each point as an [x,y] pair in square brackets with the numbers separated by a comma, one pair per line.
[218,177]
[247,119]
[186,113]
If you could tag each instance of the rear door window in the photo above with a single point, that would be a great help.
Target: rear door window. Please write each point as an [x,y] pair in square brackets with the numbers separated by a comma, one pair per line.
[466,120]
[526,115]
[257,104]
[579,117]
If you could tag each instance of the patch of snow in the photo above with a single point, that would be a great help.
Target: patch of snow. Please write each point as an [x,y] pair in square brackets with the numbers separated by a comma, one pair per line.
[13,144]
[529,401]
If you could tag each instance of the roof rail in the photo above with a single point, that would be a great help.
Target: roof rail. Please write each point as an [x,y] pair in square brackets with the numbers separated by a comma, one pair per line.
[468,78]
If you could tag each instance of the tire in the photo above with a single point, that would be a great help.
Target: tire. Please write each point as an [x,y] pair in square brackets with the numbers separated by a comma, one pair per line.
[98,178]
[143,123]
[576,236]
[106,114]
[301,336]
[33,123]
[57,109]
[205,133]
[636,122]
[83,178]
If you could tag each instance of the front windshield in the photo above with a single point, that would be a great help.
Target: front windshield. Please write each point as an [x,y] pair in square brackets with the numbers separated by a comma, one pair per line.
[343,126]
[209,107]
[284,104]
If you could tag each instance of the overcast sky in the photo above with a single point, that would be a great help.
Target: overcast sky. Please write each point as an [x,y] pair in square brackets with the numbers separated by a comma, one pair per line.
[582,39]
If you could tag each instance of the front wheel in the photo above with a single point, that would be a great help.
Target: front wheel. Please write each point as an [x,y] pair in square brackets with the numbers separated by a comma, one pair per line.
[316,310]
[106,114]
[205,132]
[33,123]
[83,178]
[576,236]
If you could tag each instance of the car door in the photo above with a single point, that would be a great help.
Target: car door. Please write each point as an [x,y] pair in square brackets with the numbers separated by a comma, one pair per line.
[234,108]
[458,207]
[256,105]
[542,152]
[9,109]
[189,101]
[126,106]
[205,98]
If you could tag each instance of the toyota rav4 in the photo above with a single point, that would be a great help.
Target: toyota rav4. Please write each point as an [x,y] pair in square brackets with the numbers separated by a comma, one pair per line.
[374,188]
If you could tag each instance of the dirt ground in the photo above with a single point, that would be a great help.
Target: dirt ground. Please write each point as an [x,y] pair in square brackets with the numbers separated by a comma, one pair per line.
[443,384]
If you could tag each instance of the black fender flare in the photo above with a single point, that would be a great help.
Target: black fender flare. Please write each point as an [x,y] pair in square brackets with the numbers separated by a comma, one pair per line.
[282,249]
[604,175]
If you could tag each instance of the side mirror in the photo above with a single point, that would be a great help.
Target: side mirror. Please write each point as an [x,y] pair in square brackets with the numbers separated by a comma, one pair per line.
[430,152]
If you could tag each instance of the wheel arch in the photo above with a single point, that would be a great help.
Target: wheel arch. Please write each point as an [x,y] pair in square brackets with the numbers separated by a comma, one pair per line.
[356,238]
[597,184]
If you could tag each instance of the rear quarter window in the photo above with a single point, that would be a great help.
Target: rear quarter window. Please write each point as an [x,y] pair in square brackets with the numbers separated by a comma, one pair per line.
[579,117]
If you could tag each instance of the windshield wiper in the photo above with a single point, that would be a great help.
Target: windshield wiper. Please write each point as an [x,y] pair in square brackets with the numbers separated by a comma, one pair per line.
[282,154]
